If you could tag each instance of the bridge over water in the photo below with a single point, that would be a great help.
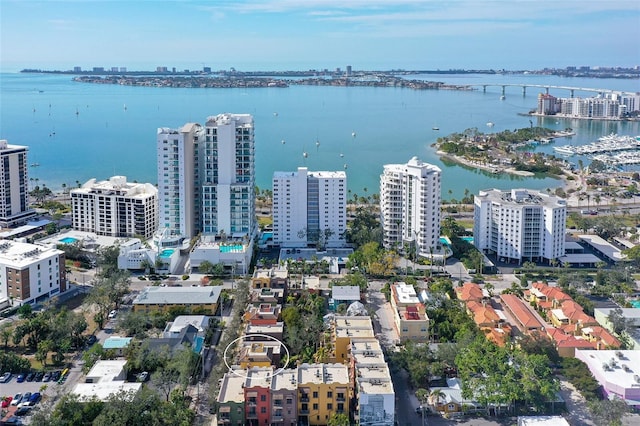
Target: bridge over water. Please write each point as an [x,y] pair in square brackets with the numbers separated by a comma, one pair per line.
[546,87]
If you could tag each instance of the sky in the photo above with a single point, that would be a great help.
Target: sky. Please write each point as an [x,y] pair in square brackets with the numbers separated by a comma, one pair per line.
[318,34]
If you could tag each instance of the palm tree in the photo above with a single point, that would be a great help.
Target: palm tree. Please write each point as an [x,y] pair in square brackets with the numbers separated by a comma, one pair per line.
[437,395]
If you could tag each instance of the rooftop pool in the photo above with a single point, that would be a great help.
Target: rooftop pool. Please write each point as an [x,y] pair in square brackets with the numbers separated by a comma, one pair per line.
[166,253]
[68,240]
[234,248]
[635,303]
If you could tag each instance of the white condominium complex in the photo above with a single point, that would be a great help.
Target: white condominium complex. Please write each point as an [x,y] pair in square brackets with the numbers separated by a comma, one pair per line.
[177,177]
[206,177]
[30,273]
[410,205]
[14,202]
[115,208]
[309,208]
[520,225]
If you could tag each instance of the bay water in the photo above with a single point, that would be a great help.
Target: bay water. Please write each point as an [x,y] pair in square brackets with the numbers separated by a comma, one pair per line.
[77,131]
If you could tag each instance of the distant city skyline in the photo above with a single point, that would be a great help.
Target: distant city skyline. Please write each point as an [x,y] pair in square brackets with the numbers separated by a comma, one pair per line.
[318,34]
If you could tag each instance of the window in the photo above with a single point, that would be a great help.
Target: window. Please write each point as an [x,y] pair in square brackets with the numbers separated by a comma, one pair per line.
[329,394]
[329,406]
[315,406]
[263,398]
[315,394]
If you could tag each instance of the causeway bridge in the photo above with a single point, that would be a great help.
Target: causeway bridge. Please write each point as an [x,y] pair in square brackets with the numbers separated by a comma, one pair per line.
[546,88]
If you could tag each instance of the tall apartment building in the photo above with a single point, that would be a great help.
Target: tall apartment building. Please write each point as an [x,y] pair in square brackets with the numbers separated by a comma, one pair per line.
[14,189]
[227,176]
[309,208]
[323,389]
[520,224]
[410,205]
[178,171]
[206,177]
[115,208]
[30,273]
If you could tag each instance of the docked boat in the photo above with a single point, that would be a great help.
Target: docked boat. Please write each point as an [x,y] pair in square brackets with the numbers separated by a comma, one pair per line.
[564,149]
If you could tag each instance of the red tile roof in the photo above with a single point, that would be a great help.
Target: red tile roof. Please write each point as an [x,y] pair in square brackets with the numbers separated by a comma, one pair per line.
[469,291]
[521,312]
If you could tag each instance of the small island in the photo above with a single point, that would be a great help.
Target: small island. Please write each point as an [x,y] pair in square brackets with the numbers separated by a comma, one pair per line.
[506,152]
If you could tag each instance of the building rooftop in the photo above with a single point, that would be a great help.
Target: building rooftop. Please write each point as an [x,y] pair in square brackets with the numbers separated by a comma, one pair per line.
[20,255]
[611,364]
[405,294]
[105,379]
[232,388]
[323,374]
[178,295]
[345,292]
[285,380]
[374,380]
[117,185]
[201,322]
[521,198]
[259,377]
[265,329]
[542,421]
[522,313]
[601,245]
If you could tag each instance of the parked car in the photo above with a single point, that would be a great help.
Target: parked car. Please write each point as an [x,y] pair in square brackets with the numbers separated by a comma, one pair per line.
[112,314]
[6,378]
[143,377]
[26,404]
[38,377]
[31,376]
[23,411]
[55,376]
[20,378]
[17,399]
[91,340]
[35,398]
[25,397]
[6,401]
[46,377]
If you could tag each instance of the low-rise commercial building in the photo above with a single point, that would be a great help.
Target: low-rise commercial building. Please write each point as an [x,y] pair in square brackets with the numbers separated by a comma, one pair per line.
[105,379]
[193,299]
[617,371]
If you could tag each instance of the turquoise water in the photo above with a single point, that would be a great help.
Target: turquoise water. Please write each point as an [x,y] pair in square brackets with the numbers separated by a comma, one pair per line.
[166,253]
[445,241]
[467,239]
[635,303]
[265,236]
[235,248]
[67,126]
[68,240]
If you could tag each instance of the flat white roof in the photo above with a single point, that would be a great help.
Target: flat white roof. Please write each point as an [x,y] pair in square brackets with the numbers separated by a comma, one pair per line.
[232,388]
[542,421]
[345,292]
[178,295]
[603,246]
[596,361]
[30,226]
[20,255]
[406,294]
[323,373]
[104,390]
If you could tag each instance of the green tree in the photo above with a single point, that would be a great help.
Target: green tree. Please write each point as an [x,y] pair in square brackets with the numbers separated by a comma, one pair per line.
[608,411]
[206,267]
[338,419]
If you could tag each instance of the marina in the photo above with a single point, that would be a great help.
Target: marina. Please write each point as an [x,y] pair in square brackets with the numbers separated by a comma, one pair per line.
[605,144]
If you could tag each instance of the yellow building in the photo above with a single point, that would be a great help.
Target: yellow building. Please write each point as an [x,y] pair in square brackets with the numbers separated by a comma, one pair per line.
[346,329]
[410,317]
[260,354]
[193,299]
[323,389]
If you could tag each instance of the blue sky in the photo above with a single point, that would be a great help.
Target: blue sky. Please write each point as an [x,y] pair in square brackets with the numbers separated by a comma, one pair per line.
[305,34]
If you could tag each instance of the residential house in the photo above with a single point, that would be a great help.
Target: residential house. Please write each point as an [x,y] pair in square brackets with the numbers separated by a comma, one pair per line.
[117,344]
[257,396]
[284,398]
[263,314]
[105,379]
[526,321]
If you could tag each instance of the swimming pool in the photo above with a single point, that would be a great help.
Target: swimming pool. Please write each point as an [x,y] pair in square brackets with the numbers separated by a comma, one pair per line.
[166,253]
[635,303]
[467,239]
[68,240]
[234,248]
[445,241]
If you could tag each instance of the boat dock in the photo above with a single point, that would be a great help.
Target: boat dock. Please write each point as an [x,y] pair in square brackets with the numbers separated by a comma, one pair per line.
[606,144]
